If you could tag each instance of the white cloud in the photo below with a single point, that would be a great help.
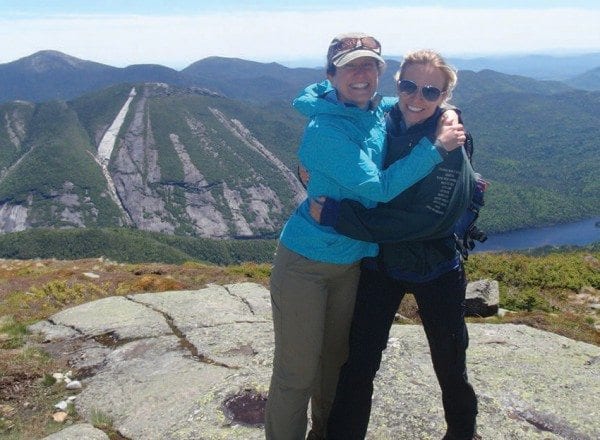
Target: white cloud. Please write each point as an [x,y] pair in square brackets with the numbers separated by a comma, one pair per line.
[177,41]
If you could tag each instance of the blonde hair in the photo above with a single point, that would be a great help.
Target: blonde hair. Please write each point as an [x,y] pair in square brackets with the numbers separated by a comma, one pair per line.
[427,56]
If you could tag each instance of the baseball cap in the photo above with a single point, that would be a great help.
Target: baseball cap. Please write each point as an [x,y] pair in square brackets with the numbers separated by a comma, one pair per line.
[348,47]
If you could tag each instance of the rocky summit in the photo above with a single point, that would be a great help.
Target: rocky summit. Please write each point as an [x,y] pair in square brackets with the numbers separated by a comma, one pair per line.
[196,365]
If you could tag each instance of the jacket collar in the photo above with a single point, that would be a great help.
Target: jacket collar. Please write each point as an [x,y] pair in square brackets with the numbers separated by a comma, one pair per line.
[398,126]
[322,98]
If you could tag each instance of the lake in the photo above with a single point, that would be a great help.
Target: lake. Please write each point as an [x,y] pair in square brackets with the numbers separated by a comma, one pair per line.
[578,233]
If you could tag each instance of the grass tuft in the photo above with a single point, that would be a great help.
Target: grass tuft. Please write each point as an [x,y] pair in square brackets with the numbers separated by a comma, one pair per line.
[101,420]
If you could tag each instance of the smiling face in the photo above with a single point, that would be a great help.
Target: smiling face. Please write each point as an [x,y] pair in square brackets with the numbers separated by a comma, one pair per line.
[414,107]
[356,82]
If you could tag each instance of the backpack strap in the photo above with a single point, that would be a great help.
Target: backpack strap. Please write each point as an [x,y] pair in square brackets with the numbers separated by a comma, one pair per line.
[468,146]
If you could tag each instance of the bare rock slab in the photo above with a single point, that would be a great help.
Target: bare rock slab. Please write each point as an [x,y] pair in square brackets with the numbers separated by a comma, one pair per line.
[179,357]
[530,385]
[78,432]
[114,315]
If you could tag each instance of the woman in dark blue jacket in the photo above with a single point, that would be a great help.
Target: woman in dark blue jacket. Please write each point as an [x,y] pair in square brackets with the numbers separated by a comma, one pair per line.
[417,254]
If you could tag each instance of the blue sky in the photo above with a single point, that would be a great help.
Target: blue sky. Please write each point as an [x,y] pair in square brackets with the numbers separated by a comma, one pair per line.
[177,33]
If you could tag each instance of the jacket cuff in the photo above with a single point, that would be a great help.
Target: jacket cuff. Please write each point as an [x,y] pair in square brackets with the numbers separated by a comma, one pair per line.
[440,149]
[330,212]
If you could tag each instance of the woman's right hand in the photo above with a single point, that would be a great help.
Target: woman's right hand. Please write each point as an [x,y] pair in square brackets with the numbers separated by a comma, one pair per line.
[450,135]
[303,175]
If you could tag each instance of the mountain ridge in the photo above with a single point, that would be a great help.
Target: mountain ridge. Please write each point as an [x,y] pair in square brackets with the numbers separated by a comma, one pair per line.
[73,77]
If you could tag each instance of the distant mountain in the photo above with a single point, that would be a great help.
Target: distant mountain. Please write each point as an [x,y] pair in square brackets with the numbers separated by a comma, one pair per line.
[484,82]
[249,80]
[542,67]
[589,80]
[138,73]
[49,74]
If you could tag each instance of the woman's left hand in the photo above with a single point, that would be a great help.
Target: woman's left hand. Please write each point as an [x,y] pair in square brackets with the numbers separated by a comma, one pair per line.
[449,117]
[448,137]
[451,135]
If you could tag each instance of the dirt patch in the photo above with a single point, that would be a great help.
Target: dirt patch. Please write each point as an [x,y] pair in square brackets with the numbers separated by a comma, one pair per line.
[246,408]
[14,387]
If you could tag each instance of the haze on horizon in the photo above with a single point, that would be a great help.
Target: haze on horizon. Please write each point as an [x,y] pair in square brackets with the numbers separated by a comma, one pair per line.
[295,33]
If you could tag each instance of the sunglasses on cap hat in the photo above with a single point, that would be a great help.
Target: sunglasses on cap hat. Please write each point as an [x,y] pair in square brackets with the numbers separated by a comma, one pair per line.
[344,45]
[430,93]
[351,43]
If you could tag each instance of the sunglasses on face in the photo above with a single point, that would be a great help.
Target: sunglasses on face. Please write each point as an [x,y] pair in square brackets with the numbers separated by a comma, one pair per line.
[369,43]
[430,93]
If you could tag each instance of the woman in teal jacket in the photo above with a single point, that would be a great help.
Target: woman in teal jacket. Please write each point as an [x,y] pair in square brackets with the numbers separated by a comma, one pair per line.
[316,269]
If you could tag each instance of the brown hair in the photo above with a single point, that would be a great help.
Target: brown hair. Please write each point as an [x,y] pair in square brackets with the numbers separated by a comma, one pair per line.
[427,56]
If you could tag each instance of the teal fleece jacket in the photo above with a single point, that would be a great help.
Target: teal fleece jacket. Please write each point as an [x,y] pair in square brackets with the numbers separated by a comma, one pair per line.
[343,148]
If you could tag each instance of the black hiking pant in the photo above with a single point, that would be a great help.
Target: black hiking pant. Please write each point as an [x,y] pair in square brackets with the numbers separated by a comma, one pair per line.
[441,307]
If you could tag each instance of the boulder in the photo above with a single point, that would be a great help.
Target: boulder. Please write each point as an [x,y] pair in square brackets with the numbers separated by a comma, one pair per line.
[482,298]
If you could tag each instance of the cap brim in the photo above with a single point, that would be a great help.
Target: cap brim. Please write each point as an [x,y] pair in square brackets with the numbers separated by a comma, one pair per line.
[352,55]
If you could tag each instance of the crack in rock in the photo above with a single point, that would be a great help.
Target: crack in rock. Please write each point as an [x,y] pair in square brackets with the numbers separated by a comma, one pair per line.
[72,327]
[548,423]
[243,300]
[183,341]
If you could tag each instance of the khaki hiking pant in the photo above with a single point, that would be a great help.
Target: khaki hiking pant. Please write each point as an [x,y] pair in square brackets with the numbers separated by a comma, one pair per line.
[312,304]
